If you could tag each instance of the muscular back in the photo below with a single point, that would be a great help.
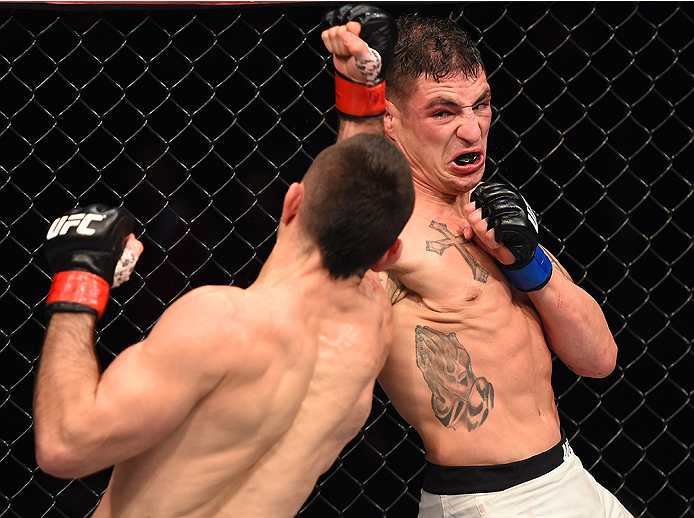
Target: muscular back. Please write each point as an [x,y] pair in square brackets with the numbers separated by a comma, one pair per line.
[473,349]
[354,337]
[295,381]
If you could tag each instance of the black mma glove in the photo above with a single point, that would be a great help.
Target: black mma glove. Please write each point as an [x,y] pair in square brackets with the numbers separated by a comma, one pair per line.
[83,248]
[379,30]
[515,225]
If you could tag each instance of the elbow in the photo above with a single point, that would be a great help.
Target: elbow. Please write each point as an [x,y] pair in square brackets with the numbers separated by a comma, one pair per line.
[608,360]
[604,368]
[58,457]
[56,460]
[601,366]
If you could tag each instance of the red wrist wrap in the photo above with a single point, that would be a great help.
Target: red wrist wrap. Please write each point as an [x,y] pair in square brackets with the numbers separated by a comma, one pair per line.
[358,100]
[81,288]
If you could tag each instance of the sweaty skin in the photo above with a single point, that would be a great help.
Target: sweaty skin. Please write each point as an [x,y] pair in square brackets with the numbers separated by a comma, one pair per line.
[254,446]
[234,404]
[488,340]
[471,364]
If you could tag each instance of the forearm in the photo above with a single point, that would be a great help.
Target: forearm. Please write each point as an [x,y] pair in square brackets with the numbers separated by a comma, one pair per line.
[90,250]
[575,327]
[503,225]
[67,379]
[351,127]
[360,65]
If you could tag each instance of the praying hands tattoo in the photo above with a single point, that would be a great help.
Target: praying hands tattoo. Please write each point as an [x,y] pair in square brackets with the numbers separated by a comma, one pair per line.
[457,396]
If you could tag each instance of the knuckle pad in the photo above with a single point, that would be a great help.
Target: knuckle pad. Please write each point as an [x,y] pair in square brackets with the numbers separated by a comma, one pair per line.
[378,28]
[88,239]
[510,217]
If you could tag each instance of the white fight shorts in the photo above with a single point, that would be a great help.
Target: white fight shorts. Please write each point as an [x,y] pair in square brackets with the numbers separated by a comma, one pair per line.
[552,484]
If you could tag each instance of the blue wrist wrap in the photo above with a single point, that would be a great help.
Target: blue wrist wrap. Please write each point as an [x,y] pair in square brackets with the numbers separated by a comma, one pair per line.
[534,275]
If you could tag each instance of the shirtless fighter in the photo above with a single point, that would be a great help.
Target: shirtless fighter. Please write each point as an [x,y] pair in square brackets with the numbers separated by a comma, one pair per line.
[478,305]
[237,400]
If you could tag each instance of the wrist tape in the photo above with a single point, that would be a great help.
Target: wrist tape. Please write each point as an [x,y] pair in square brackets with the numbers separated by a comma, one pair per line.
[78,291]
[534,275]
[356,100]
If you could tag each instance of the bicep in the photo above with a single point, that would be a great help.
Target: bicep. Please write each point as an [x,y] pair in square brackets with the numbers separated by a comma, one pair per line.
[152,386]
[144,397]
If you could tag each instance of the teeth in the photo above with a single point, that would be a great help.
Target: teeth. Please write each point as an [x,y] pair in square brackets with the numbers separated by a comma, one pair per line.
[469,158]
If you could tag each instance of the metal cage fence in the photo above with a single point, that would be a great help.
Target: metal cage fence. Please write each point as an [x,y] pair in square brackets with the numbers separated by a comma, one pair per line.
[198,118]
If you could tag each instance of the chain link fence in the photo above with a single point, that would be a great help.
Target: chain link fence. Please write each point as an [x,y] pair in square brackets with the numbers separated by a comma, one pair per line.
[198,118]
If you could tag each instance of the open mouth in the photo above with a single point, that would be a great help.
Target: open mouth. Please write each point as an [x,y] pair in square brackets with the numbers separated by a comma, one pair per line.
[466,159]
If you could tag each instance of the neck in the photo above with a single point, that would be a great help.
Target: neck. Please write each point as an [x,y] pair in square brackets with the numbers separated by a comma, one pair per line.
[438,203]
[288,262]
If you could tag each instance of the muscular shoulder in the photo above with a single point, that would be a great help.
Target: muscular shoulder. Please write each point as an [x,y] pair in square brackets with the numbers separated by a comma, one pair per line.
[206,323]
[202,307]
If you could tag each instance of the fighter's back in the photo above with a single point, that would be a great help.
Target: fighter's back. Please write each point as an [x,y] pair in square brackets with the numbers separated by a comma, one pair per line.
[294,370]
[354,334]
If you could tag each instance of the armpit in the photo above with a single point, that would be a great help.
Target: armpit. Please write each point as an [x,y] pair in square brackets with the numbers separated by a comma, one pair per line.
[394,288]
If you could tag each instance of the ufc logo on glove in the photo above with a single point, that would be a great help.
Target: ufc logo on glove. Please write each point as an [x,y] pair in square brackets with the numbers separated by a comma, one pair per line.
[62,225]
[85,248]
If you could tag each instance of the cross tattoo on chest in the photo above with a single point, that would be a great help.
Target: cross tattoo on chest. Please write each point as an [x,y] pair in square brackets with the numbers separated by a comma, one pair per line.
[458,242]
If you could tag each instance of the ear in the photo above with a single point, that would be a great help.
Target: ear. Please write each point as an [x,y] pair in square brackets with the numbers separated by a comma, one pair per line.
[292,202]
[389,258]
[389,119]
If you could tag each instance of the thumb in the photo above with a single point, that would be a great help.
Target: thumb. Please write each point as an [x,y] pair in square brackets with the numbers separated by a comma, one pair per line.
[355,45]
[128,259]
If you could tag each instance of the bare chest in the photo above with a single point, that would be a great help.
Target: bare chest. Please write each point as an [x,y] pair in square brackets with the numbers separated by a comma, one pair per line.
[446,272]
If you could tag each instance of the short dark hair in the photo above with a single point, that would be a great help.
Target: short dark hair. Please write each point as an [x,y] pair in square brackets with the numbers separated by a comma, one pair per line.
[435,48]
[359,196]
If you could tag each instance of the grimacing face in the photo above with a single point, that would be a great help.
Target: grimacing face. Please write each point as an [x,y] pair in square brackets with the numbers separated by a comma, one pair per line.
[442,130]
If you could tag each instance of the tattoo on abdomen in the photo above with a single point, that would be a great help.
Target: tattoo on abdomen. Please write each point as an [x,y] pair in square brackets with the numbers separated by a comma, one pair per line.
[457,396]
[458,242]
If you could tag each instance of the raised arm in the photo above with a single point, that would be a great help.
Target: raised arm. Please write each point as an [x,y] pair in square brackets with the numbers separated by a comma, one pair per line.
[85,421]
[503,224]
[361,39]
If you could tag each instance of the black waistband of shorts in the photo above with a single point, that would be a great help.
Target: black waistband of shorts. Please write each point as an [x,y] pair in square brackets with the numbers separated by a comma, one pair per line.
[459,480]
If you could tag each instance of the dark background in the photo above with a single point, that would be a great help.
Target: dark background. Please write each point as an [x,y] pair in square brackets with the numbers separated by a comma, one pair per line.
[197,119]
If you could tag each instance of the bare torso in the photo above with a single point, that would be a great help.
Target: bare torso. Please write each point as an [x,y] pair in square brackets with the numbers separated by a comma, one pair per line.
[255,445]
[470,368]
